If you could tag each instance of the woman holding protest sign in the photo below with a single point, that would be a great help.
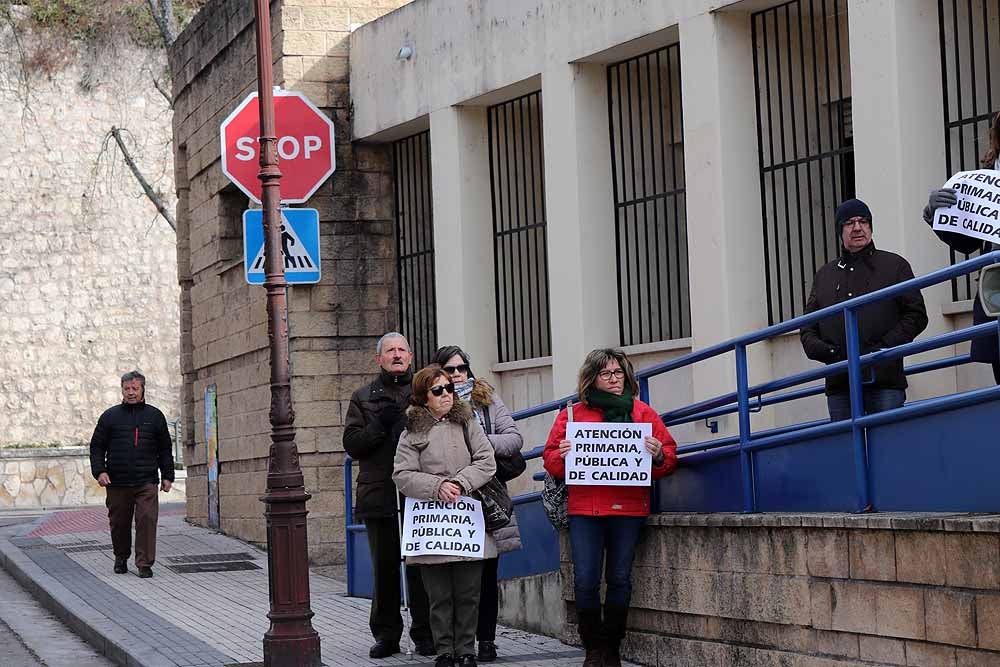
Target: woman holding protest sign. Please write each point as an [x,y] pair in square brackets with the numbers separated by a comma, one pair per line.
[501,430]
[605,522]
[984,349]
[442,455]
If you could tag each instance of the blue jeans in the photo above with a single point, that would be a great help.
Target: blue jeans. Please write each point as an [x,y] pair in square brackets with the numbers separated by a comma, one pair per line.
[603,538]
[873,400]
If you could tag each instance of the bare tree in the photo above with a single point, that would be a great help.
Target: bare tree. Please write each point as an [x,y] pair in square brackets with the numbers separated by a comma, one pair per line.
[163,14]
[151,194]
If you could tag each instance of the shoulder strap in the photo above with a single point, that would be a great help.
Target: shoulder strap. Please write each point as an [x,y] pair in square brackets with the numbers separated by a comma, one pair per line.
[488,427]
[465,434]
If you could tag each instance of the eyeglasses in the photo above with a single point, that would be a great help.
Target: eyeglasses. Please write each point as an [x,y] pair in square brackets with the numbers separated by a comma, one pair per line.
[461,368]
[864,222]
[618,374]
[441,388]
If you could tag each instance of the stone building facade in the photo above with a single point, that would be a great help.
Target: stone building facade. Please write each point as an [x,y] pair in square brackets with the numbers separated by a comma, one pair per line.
[88,284]
[333,325]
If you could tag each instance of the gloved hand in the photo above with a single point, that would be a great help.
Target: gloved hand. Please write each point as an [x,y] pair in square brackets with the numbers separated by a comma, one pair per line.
[942,198]
[389,416]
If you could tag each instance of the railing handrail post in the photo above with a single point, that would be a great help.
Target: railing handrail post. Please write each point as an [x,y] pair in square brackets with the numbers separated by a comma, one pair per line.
[348,521]
[857,409]
[743,400]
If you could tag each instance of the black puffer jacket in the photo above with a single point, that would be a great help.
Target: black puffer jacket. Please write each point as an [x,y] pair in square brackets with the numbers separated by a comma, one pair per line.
[883,324]
[132,444]
[375,418]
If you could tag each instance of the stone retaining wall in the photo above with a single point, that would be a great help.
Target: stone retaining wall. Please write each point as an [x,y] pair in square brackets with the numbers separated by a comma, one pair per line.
[57,477]
[88,278]
[814,590]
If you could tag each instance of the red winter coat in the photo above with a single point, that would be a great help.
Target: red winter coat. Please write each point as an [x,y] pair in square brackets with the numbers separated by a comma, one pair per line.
[609,500]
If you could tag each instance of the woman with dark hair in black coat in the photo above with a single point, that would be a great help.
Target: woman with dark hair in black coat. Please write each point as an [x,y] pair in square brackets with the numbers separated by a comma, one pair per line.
[984,349]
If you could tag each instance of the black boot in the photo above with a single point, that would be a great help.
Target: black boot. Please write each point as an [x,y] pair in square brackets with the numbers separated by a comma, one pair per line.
[592,636]
[615,626]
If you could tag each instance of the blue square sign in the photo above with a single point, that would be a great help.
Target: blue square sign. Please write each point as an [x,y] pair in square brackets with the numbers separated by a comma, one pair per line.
[299,245]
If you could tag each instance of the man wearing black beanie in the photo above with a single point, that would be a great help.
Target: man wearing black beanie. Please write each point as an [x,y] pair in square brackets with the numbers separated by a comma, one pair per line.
[862,269]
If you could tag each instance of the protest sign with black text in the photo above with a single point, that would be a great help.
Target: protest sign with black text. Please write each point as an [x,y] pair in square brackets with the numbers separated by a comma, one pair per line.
[608,454]
[439,528]
[977,213]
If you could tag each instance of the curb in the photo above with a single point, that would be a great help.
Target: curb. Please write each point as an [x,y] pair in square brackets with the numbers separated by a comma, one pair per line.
[101,632]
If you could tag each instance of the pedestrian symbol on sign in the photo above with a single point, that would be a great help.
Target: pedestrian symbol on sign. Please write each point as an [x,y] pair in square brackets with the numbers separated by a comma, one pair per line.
[299,245]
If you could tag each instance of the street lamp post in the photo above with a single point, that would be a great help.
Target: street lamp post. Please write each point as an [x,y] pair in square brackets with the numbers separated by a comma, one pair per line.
[291,640]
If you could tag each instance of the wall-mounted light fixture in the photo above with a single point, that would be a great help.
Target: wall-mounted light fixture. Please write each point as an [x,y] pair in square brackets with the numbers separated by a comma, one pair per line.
[405,52]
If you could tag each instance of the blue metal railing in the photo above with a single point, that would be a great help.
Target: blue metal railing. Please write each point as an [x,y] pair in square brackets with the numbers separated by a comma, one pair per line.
[747,399]
[853,365]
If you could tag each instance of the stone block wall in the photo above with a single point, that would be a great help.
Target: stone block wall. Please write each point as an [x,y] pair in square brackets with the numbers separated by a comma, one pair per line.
[87,268]
[333,326]
[56,477]
[814,590]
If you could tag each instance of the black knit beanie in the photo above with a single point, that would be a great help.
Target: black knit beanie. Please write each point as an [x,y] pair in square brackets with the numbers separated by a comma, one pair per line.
[852,208]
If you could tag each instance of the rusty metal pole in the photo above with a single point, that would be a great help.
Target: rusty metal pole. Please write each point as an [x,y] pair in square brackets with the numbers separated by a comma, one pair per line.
[291,639]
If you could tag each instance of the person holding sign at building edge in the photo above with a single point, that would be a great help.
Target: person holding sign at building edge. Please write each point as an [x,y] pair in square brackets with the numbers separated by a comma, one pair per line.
[985,349]
[605,521]
[444,454]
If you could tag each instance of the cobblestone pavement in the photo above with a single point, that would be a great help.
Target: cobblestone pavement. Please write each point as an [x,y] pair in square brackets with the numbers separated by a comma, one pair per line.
[206,604]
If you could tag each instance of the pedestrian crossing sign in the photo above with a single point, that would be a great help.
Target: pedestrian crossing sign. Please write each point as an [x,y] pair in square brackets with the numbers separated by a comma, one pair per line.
[299,245]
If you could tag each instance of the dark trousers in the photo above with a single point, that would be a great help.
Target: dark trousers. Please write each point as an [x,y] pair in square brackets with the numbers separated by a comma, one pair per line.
[453,590]
[141,502]
[873,399]
[385,621]
[607,540]
[489,602]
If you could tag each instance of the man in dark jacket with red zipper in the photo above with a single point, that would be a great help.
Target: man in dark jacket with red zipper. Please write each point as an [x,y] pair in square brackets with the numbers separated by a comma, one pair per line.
[862,269]
[129,453]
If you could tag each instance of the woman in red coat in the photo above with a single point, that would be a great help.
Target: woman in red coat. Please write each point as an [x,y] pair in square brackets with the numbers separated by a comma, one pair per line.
[605,521]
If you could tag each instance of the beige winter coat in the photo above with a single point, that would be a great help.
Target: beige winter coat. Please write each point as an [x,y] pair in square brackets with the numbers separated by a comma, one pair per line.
[431,452]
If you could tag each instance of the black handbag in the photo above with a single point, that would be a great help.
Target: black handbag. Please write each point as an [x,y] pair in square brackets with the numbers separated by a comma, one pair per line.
[497,505]
[508,467]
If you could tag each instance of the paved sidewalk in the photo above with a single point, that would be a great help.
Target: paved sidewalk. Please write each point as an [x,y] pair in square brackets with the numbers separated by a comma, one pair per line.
[206,604]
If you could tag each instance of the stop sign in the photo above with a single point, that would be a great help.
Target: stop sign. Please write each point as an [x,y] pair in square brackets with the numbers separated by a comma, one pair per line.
[305,146]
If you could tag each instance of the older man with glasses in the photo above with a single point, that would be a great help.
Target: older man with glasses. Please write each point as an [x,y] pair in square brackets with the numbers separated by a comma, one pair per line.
[375,419]
[861,269]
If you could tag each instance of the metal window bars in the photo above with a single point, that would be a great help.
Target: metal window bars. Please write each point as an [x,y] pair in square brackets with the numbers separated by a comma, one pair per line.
[969,67]
[517,190]
[415,245]
[647,173]
[806,153]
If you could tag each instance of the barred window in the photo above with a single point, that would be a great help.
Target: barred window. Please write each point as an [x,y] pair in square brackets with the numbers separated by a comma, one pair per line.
[970,68]
[415,245]
[517,186]
[805,144]
[647,171]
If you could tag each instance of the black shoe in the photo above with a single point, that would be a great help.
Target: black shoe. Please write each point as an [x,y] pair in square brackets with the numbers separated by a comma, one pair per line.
[145,572]
[467,660]
[487,651]
[383,649]
[121,565]
[445,661]
[425,647]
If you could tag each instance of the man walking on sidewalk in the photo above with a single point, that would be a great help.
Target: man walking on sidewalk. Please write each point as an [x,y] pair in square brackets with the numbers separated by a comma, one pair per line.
[375,418]
[129,453]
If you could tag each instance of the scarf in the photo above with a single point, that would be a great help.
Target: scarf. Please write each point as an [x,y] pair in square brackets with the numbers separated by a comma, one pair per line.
[614,408]
[464,392]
